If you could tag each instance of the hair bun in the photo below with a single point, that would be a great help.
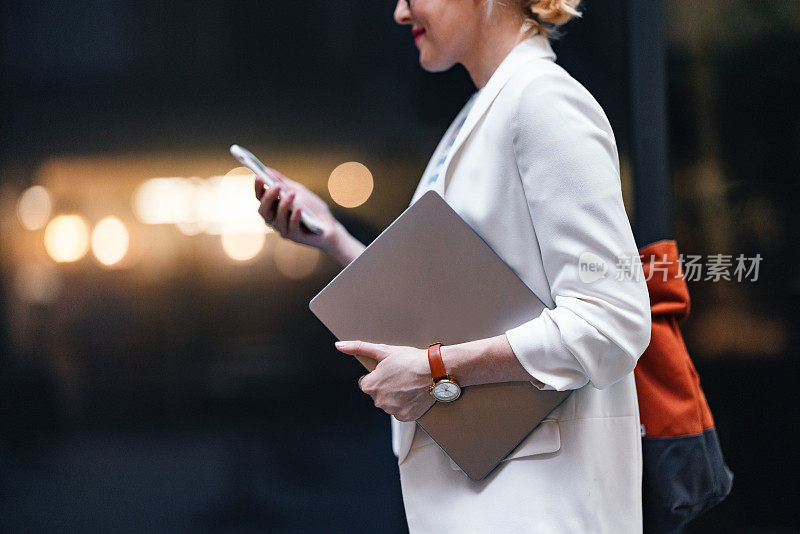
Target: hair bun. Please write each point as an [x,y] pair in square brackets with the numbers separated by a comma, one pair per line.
[554,12]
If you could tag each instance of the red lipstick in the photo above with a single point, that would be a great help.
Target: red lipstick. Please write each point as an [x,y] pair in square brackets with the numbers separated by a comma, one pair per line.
[416,33]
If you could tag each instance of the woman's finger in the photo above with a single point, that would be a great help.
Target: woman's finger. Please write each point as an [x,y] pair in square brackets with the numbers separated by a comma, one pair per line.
[282,215]
[295,228]
[268,204]
[373,351]
[260,187]
[267,208]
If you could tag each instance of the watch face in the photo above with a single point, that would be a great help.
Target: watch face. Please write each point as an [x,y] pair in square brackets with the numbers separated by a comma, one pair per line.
[446,391]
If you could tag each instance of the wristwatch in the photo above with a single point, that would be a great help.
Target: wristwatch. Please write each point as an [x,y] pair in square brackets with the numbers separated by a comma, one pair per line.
[444,388]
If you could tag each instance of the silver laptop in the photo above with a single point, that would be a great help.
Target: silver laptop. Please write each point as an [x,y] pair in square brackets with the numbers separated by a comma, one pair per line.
[430,278]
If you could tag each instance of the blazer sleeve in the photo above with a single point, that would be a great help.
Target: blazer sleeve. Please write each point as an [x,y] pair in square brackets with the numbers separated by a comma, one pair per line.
[567,161]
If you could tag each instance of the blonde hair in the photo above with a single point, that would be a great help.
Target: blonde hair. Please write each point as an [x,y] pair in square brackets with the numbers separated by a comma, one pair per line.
[543,16]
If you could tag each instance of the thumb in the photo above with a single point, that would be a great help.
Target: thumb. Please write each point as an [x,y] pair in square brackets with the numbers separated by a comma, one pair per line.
[372,351]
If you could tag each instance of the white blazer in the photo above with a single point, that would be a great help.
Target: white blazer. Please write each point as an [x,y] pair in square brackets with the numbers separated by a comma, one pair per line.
[535,171]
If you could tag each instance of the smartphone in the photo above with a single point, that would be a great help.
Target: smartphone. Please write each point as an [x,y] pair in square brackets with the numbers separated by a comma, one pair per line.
[247,159]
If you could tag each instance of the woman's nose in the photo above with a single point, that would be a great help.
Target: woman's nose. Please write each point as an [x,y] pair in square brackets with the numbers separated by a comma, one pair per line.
[402,13]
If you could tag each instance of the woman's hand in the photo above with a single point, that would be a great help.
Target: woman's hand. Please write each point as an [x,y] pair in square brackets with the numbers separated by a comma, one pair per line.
[400,384]
[284,216]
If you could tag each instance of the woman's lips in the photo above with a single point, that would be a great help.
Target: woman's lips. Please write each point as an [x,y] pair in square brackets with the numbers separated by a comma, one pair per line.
[417,33]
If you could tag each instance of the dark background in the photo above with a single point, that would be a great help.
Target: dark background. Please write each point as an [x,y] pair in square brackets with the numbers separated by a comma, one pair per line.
[207,397]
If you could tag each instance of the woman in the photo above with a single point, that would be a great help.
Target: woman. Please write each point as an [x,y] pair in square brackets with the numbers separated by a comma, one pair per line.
[531,164]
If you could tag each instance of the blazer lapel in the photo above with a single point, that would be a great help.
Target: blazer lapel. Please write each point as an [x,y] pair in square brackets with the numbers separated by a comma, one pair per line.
[535,47]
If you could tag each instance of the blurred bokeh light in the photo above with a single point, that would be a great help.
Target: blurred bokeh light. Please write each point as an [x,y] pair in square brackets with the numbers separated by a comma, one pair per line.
[216,205]
[195,196]
[233,207]
[350,184]
[110,241]
[242,247]
[295,261]
[34,207]
[66,238]
[164,201]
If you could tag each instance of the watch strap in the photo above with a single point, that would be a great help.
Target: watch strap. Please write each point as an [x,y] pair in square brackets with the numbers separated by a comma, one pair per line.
[435,360]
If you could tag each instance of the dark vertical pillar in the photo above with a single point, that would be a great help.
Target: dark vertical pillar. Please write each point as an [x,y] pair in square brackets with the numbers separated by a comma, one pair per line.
[648,116]
[3,317]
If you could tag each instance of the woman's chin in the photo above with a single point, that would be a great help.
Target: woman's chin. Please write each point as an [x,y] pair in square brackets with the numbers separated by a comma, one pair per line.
[434,64]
